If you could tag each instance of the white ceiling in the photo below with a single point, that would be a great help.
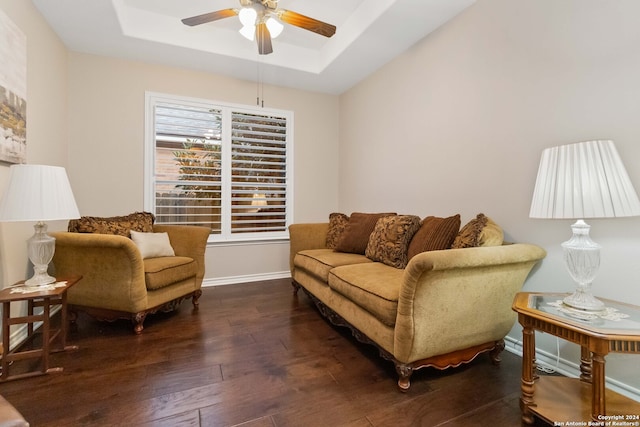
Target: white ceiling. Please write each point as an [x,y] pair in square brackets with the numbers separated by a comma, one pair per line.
[369,34]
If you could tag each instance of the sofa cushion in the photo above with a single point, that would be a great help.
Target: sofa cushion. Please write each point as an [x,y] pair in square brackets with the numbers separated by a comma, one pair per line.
[375,287]
[434,234]
[355,237]
[480,231]
[119,225]
[319,262]
[390,239]
[152,245]
[337,224]
[165,271]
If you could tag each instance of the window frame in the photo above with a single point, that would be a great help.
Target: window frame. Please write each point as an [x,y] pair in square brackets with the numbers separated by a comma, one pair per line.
[226,234]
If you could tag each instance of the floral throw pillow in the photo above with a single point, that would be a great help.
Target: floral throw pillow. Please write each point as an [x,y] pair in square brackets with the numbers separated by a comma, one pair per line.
[118,225]
[337,224]
[390,239]
[480,231]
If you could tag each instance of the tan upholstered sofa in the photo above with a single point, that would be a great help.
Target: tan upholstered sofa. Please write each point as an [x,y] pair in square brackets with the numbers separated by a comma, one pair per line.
[438,307]
[127,279]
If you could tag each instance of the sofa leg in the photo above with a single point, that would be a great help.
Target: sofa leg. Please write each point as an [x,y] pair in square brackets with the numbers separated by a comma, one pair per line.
[404,372]
[296,287]
[494,354]
[138,320]
[73,319]
[195,299]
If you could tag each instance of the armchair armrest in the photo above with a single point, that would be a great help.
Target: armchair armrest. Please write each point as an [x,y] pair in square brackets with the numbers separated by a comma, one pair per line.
[111,267]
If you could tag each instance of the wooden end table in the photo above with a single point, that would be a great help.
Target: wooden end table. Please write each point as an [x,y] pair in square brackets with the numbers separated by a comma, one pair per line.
[45,299]
[559,399]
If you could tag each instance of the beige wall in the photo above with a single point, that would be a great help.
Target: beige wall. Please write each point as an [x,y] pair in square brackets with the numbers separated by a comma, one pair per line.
[47,135]
[457,125]
[106,129]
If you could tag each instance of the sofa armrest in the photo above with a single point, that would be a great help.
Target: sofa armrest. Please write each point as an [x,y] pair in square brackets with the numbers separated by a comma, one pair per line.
[306,236]
[456,298]
[189,241]
[111,267]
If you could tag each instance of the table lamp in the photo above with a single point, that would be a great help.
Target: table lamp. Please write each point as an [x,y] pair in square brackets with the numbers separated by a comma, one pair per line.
[38,193]
[577,181]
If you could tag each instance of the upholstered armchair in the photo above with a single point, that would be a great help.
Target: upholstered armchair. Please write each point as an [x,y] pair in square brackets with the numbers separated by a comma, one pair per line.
[127,279]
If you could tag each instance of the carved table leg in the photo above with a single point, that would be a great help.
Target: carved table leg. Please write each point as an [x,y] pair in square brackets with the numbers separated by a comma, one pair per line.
[585,365]
[527,383]
[597,387]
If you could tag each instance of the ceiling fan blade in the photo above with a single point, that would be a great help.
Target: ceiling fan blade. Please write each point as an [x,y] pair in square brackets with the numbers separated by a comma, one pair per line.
[264,39]
[307,23]
[209,17]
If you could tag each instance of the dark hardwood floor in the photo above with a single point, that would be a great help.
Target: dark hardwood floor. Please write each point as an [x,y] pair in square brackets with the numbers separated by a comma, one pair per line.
[253,355]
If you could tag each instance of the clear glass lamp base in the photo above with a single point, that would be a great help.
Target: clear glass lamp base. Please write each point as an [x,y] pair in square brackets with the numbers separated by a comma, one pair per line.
[41,248]
[582,258]
[583,301]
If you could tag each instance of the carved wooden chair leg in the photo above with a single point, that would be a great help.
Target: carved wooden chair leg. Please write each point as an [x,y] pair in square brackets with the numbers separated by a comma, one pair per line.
[494,354]
[404,372]
[296,287]
[138,320]
[72,316]
[195,299]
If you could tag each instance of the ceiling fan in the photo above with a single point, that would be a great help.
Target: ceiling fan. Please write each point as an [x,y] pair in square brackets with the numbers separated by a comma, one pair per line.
[259,21]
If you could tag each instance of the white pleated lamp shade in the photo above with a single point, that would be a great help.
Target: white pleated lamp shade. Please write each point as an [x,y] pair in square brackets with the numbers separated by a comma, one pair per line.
[583,180]
[38,193]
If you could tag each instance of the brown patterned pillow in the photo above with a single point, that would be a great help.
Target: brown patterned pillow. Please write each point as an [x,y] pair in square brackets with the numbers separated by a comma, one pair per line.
[119,225]
[390,239]
[337,224]
[435,234]
[480,231]
[355,237]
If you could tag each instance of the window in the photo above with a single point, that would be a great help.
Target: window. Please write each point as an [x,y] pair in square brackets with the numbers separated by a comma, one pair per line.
[223,166]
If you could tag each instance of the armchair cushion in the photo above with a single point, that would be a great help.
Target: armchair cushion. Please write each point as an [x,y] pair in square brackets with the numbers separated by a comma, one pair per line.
[152,245]
[165,271]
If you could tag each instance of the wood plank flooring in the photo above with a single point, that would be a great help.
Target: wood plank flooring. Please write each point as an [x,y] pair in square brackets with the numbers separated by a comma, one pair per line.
[257,356]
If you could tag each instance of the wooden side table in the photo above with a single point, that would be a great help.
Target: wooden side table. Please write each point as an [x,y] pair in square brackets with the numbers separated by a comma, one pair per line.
[559,399]
[45,299]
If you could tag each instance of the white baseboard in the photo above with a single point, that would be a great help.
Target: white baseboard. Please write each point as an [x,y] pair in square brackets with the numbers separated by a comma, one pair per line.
[568,368]
[234,280]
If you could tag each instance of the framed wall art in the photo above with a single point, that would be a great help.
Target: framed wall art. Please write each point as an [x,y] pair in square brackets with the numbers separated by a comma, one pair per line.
[13,92]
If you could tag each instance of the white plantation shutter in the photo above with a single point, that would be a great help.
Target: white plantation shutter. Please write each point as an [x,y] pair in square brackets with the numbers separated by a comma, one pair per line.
[258,173]
[224,167]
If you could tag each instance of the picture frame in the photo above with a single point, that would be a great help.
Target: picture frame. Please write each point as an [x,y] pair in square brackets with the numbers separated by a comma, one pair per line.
[13,92]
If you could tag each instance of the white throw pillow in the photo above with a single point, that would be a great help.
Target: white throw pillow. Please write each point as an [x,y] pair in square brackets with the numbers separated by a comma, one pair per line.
[152,245]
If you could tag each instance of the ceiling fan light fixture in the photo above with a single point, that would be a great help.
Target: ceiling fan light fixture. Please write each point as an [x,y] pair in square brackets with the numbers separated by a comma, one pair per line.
[248,32]
[247,16]
[275,28]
